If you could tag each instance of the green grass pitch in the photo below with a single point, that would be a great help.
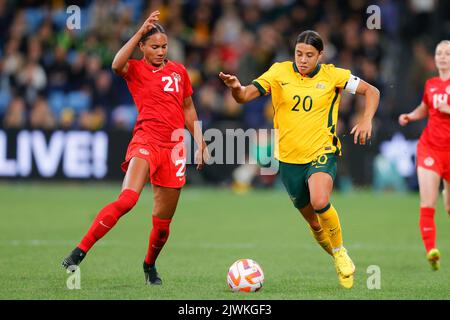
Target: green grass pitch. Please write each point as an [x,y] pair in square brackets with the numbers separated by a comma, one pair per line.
[41,223]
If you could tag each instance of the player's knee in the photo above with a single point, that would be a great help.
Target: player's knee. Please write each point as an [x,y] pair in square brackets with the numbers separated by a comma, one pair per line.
[320,202]
[127,200]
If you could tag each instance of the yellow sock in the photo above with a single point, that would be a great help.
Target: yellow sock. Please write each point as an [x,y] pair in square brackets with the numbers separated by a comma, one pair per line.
[322,239]
[329,220]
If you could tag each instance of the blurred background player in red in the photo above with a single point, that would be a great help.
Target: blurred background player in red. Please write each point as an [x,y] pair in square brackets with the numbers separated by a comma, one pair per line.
[433,149]
[162,92]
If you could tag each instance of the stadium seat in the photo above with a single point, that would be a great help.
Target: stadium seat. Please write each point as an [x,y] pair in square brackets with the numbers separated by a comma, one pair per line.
[59,18]
[79,101]
[136,7]
[124,116]
[71,56]
[57,101]
[5,98]
[34,17]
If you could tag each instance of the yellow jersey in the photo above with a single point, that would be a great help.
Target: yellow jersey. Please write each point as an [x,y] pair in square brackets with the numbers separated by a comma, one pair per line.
[305,109]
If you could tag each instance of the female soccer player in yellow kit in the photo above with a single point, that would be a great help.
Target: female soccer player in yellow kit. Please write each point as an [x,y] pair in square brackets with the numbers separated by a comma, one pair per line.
[305,96]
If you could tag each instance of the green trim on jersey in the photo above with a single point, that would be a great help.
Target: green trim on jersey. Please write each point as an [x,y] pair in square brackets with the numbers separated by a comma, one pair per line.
[259,87]
[312,73]
[332,125]
[330,113]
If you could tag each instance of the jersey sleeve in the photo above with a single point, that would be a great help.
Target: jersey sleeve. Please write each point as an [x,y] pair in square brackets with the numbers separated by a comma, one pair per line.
[187,90]
[265,81]
[342,76]
[132,70]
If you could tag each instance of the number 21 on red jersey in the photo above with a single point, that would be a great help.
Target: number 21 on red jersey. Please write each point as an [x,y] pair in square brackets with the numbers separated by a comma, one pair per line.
[171,82]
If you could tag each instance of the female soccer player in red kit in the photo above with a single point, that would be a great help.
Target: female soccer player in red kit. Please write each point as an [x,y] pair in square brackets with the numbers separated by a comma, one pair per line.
[433,149]
[162,91]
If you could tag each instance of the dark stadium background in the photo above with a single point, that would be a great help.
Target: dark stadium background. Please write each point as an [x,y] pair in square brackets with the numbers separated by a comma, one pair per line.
[53,78]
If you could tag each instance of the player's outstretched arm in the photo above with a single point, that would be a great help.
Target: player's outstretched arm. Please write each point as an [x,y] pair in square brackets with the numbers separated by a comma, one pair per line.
[418,113]
[120,62]
[242,94]
[363,129]
[192,124]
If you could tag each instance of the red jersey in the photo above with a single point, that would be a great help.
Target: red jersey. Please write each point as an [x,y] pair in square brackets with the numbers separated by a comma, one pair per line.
[437,132]
[159,96]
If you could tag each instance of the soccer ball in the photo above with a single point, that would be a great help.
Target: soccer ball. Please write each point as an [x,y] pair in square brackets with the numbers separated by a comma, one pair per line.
[245,275]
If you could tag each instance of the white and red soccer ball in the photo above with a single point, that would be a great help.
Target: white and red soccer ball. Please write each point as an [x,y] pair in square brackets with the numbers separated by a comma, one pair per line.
[245,275]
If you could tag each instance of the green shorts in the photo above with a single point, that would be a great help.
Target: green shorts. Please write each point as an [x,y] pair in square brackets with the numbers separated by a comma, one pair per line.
[295,177]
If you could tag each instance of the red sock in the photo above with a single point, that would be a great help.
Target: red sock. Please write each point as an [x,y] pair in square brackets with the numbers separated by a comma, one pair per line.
[158,237]
[428,228]
[108,217]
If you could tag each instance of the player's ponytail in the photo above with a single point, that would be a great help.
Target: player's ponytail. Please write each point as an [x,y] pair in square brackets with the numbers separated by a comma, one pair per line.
[311,37]
[156,29]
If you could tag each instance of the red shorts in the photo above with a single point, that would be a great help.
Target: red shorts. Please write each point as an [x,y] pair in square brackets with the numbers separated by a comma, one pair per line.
[167,164]
[435,160]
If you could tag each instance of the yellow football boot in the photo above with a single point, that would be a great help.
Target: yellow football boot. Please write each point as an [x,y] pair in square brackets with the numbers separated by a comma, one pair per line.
[344,265]
[346,282]
[433,257]
[344,268]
